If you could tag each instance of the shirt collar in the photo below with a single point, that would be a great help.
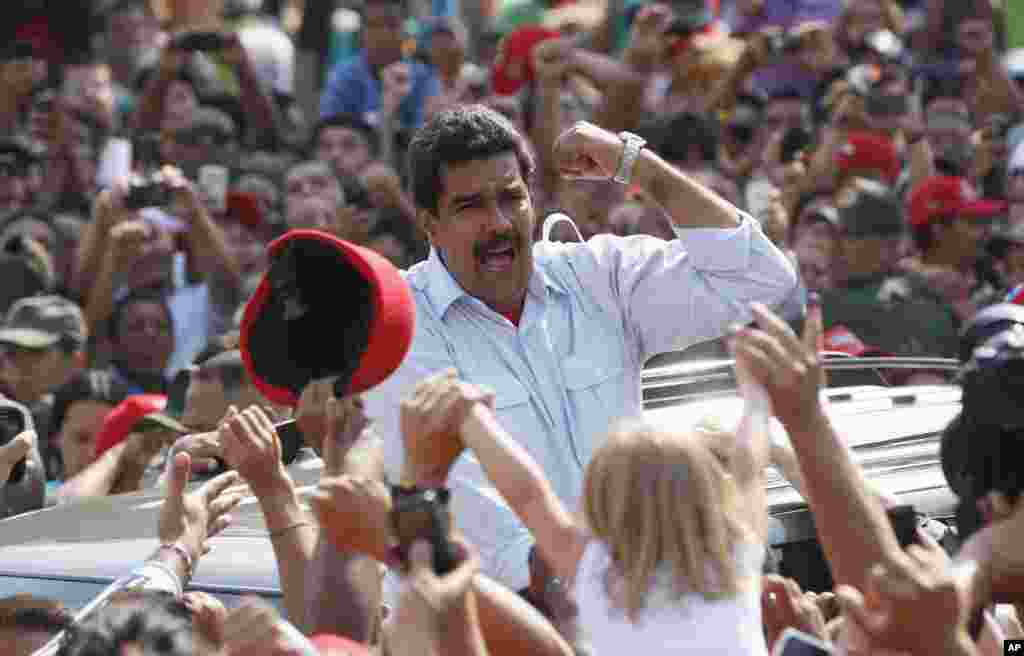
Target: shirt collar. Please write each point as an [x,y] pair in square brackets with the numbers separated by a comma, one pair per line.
[443,290]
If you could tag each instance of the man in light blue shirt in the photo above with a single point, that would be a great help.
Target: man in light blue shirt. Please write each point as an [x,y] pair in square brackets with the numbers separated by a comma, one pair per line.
[559,331]
[355,85]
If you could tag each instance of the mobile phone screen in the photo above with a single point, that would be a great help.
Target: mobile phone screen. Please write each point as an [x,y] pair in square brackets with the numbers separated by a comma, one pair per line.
[796,643]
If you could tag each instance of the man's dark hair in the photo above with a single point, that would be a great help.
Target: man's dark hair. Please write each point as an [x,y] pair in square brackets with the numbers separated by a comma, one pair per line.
[28,613]
[344,120]
[139,296]
[157,623]
[456,136]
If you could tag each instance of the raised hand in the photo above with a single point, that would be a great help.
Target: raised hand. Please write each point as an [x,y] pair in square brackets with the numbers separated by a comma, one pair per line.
[587,152]
[788,367]
[431,420]
[915,603]
[346,422]
[192,518]
[354,515]
[14,452]
[252,448]
[784,605]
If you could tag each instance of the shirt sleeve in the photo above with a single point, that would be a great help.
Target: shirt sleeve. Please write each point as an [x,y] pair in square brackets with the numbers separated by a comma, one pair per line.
[673,294]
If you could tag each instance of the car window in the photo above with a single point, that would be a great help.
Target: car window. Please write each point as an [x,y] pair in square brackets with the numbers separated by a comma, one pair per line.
[76,593]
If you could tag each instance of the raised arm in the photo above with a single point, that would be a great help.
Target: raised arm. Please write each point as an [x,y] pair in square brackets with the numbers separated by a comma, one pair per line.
[441,410]
[852,525]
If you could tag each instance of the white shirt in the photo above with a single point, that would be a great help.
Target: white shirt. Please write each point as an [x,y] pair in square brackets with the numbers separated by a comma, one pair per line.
[594,313]
[689,625]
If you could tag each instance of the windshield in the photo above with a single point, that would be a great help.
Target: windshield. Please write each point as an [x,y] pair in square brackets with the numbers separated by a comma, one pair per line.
[76,593]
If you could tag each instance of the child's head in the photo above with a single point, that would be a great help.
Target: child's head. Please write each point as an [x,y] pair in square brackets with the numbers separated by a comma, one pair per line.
[662,501]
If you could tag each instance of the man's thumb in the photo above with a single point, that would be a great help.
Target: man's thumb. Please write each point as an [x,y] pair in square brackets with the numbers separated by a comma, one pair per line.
[181,472]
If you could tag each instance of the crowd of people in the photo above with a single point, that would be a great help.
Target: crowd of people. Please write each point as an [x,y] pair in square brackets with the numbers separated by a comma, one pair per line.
[733,172]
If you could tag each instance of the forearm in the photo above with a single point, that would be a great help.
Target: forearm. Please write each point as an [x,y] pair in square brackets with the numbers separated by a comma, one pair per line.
[752,437]
[150,109]
[99,297]
[91,249]
[97,479]
[262,126]
[727,90]
[852,525]
[546,125]
[922,162]
[623,87]
[509,467]
[209,244]
[511,626]
[293,535]
[386,138]
[688,203]
[463,636]
[342,593]
[821,172]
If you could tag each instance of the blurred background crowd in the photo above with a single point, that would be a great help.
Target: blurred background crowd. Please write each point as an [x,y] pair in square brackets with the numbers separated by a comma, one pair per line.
[151,149]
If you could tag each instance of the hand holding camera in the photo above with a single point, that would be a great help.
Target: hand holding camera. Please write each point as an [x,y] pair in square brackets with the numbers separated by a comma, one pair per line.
[431,420]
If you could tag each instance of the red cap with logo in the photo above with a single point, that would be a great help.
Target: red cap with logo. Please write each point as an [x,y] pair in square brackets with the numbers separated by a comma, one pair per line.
[866,151]
[943,195]
[325,307]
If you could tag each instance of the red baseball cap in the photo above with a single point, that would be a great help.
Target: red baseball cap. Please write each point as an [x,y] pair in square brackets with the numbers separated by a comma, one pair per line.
[128,414]
[867,151]
[325,307]
[333,645]
[513,67]
[244,207]
[943,195]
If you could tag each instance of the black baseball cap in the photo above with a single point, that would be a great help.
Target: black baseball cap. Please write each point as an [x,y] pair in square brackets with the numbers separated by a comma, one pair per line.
[869,209]
[39,322]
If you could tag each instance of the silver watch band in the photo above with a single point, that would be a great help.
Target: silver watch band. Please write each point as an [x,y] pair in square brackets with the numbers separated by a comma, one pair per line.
[631,147]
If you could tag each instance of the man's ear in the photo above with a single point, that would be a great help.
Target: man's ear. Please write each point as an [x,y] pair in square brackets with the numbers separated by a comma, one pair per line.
[427,222]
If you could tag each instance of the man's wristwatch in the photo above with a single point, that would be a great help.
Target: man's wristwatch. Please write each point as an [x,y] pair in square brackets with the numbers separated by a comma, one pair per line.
[631,147]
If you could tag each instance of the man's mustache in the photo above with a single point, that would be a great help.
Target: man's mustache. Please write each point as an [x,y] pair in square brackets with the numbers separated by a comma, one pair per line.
[501,241]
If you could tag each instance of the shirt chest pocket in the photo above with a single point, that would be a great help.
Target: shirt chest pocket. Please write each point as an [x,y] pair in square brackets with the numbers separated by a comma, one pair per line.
[512,404]
[597,394]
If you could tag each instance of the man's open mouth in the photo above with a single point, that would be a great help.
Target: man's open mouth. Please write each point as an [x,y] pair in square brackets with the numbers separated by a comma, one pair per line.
[498,258]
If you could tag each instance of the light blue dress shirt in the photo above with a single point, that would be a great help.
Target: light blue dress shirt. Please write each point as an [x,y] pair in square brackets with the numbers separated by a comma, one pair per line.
[594,313]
